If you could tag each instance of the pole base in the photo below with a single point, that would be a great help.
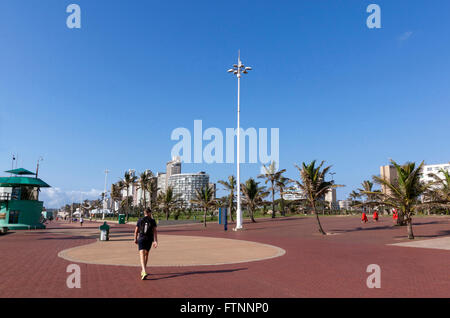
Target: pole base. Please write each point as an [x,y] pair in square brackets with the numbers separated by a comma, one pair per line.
[237,229]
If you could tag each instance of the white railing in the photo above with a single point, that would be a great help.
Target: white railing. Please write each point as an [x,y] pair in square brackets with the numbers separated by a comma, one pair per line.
[4,196]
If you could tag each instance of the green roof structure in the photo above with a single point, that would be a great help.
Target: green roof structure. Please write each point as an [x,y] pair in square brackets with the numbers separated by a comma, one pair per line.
[22,181]
[20,172]
[20,208]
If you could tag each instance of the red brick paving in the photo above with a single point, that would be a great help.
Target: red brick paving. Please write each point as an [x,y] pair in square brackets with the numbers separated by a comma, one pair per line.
[313,266]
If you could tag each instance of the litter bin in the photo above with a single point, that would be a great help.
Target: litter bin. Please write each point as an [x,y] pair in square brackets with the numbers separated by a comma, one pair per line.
[121,218]
[104,232]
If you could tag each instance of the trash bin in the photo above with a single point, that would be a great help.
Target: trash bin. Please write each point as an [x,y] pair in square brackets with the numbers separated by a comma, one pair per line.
[104,232]
[121,218]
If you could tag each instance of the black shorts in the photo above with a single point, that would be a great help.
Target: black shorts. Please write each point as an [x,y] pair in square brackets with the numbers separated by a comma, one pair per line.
[144,244]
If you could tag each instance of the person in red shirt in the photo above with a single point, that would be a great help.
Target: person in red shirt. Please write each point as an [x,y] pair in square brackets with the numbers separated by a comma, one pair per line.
[395,216]
[364,218]
[375,216]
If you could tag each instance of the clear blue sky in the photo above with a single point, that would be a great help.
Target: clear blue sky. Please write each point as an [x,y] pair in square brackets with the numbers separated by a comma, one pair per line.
[109,94]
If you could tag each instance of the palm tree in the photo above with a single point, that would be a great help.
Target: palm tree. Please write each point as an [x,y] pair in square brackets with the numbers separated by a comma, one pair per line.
[116,193]
[405,193]
[152,188]
[126,202]
[282,183]
[143,182]
[439,192]
[128,180]
[272,176]
[231,186]
[168,200]
[370,194]
[97,204]
[204,198]
[354,195]
[253,196]
[85,206]
[313,185]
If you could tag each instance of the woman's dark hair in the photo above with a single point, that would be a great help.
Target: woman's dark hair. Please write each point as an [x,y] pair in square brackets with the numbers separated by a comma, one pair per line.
[147,210]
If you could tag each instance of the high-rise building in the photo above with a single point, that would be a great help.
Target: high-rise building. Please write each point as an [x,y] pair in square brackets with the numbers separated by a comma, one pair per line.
[330,197]
[213,186]
[187,184]
[388,173]
[161,182]
[173,167]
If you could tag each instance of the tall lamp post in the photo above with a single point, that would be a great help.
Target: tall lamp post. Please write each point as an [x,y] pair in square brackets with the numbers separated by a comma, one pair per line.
[237,70]
[104,195]
[37,166]
[332,180]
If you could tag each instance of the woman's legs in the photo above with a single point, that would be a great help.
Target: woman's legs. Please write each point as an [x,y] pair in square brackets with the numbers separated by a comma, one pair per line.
[145,257]
[143,260]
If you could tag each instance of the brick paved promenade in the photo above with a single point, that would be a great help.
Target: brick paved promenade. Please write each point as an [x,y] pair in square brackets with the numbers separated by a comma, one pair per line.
[313,265]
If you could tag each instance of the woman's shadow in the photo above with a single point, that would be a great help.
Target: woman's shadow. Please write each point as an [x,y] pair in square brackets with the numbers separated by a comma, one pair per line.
[174,275]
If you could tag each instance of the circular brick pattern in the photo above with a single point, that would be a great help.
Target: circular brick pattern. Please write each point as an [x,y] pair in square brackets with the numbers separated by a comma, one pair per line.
[173,250]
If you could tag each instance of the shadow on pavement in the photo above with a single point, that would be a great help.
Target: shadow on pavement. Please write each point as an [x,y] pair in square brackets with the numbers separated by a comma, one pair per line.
[420,236]
[385,227]
[7,233]
[174,275]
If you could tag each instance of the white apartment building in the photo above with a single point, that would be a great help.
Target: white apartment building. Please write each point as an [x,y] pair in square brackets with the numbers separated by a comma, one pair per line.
[186,185]
[294,194]
[161,183]
[434,169]
[345,204]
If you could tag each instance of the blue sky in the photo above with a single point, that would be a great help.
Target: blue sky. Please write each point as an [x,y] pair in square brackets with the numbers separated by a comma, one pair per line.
[109,95]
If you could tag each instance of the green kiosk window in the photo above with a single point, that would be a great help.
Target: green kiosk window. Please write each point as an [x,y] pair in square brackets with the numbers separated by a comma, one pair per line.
[13,217]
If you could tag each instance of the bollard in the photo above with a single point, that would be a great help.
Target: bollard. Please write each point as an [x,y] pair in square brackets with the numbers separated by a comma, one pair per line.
[225,223]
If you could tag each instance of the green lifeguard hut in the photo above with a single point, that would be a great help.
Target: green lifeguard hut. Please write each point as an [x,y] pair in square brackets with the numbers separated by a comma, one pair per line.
[20,208]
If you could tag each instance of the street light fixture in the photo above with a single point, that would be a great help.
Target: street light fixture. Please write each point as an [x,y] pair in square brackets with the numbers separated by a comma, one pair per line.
[237,70]
[332,175]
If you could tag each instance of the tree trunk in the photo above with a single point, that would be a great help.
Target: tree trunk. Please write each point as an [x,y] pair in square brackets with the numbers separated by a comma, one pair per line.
[401,218]
[231,209]
[283,208]
[150,202]
[321,231]
[410,230]
[128,206]
[145,201]
[273,202]
[251,215]
[204,217]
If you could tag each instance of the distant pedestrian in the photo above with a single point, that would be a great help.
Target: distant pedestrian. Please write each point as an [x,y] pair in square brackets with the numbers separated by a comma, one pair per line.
[364,218]
[81,221]
[395,216]
[145,235]
[375,216]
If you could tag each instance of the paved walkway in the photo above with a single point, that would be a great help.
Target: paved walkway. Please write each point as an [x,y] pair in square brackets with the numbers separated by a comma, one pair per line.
[442,243]
[313,265]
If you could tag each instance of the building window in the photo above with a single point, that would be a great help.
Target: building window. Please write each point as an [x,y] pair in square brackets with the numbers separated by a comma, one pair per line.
[13,217]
